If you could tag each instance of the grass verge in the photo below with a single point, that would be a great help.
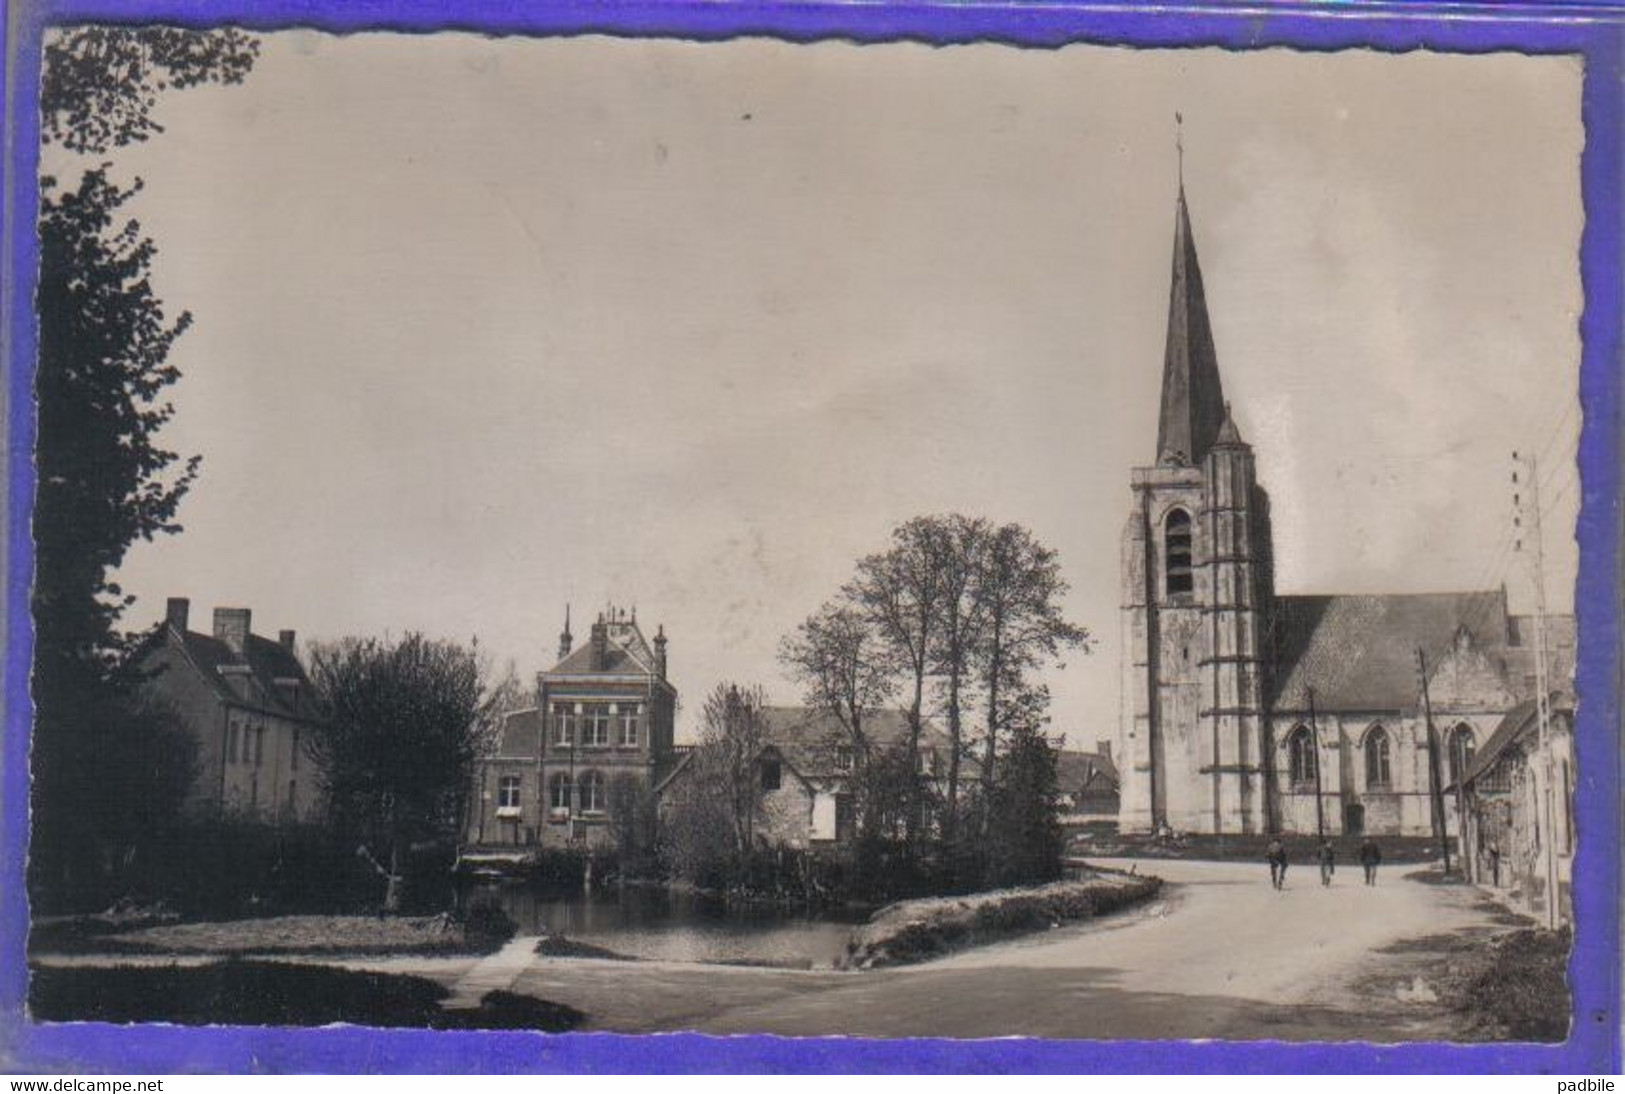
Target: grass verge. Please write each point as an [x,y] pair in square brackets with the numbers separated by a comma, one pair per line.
[269,993]
[275,935]
[918,930]
[1514,988]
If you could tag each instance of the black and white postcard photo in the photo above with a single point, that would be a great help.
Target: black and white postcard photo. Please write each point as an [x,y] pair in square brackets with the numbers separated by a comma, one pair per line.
[823,539]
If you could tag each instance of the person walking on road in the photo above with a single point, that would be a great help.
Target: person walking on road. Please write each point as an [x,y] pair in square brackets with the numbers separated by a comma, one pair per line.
[1328,861]
[1275,855]
[1370,856]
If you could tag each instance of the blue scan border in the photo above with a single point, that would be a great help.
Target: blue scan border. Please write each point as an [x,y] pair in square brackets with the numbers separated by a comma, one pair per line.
[1590,29]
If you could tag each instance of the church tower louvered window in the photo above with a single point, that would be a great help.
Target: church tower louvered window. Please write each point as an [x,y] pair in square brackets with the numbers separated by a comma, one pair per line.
[1177,546]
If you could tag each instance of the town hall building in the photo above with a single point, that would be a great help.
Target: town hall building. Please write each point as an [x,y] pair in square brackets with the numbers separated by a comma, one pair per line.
[1245,710]
[565,770]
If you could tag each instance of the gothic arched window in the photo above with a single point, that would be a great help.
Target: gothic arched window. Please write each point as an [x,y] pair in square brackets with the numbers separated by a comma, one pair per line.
[1301,755]
[1462,750]
[1378,765]
[1176,541]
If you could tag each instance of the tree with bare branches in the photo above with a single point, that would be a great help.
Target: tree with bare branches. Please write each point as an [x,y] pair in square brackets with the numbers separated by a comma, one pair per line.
[844,669]
[1019,589]
[961,544]
[733,732]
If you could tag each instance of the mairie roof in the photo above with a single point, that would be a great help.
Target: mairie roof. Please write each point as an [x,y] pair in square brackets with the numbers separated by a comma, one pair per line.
[627,652]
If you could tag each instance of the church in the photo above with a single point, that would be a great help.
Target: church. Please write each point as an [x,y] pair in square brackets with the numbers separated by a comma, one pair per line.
[1249,711]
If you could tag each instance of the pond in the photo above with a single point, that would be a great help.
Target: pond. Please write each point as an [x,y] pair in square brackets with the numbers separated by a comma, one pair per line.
[655,924]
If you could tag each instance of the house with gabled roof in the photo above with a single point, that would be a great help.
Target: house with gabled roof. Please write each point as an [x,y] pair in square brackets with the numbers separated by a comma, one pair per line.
[1518,797]
[1088,783]
[249,706]
[601,727]
[805,768]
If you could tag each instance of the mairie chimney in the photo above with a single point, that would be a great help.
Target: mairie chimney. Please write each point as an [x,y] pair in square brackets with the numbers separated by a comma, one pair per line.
[660,651]
[285,639]
[177,612]
[231,626]
[600,645]
[1103,748]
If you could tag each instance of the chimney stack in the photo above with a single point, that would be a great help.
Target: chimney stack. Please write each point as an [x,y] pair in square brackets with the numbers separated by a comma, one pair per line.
[600,645]
[1104,748]
[285,640]
[176,613]
[231,626]
[660,651]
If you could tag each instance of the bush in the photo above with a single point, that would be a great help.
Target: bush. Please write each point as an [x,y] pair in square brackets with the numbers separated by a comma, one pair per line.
[486,927]
[1521,988]
[918,930]
[221,866]
[233,993]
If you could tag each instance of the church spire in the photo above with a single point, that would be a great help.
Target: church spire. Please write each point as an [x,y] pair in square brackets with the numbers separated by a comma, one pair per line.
[1192,397]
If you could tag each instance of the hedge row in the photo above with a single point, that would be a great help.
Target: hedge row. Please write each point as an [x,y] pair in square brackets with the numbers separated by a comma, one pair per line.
[918,930]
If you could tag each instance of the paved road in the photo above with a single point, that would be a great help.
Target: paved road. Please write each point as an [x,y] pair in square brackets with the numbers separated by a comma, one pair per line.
[1219,954]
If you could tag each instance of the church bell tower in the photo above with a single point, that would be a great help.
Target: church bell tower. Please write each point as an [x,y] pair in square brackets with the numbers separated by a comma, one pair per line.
[1197,582]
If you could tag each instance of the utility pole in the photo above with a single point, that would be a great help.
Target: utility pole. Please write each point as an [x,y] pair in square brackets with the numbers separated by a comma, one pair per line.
[1320,801]
[1543,696]
[1436,790]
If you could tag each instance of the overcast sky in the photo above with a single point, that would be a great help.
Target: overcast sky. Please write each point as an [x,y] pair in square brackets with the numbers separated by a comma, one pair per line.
[488,326]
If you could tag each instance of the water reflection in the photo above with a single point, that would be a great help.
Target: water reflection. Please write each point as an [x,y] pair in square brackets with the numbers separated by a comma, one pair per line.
[656,925]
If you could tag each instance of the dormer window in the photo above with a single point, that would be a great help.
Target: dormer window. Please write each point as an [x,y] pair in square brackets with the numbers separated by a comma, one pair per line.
[1176,542]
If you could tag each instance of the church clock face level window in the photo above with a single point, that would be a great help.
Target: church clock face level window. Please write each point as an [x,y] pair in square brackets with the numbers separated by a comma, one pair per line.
[1177,549]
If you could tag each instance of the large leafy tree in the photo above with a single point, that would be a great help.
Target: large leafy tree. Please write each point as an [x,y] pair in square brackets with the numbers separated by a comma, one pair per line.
[1019,589]
[845,672]
[901,592]
[1024,842]
[970,612]
[405,723]
[100,84]
[104,479]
